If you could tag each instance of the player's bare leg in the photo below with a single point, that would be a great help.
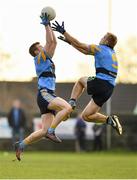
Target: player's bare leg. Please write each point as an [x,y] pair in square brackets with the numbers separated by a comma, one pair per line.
[35,136]
[63,110]
[91,114]
[77,90]
[79,87]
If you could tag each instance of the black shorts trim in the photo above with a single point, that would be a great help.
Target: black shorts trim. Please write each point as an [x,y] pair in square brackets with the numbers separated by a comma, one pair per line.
[101,90]
[44,97]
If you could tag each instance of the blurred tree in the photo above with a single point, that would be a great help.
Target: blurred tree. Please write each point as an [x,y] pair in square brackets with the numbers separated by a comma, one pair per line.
[127,58]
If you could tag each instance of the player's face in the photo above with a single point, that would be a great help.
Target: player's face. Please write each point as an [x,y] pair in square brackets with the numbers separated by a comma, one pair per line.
[109,40]
[105,39]
[39,48]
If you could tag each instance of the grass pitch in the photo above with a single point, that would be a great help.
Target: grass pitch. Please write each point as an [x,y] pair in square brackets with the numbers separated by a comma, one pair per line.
[61,165]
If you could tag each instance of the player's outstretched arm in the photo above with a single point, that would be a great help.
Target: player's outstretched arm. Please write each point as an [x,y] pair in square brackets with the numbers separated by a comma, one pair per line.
[84,48]
[74,45]
[51,42]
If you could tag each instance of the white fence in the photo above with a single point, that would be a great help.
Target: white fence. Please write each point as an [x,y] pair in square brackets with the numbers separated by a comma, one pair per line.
[65,130]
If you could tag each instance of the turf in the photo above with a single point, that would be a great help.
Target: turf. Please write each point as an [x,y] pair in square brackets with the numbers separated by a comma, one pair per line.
[46,165]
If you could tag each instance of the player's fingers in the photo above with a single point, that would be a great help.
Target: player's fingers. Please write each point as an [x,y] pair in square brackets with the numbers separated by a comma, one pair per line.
[57,23]
[61,38]
[46,16]
[54,29]
[54,24]
[63,24]
[42,17]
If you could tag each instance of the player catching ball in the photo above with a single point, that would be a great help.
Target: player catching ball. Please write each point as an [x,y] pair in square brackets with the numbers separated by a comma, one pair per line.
[102,85]
[47,101]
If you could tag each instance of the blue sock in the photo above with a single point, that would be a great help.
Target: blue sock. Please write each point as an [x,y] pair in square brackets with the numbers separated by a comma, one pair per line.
[51,130]
[22,145]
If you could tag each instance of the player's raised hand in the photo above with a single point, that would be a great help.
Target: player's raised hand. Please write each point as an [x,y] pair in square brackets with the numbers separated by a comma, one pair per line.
[63,39]
[44,20]
[59,28]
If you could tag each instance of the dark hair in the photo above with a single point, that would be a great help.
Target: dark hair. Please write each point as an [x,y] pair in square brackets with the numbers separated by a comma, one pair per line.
[112,40]
[33,48]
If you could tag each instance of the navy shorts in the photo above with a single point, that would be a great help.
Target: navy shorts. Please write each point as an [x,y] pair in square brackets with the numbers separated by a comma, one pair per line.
[44,97]
[101,90]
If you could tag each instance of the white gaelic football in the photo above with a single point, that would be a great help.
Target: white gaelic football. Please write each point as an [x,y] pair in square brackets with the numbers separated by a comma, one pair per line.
[50,12]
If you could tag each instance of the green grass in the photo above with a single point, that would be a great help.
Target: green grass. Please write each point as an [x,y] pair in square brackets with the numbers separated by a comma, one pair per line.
[46,165]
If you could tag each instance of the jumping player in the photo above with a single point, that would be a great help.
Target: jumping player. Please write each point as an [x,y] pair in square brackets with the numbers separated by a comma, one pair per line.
[102,85]
[47,101]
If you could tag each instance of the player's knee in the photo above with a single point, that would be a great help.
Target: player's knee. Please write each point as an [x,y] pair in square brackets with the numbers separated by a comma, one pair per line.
[43,133]
[68,109]
[84,117]
[82,81]
[87,117]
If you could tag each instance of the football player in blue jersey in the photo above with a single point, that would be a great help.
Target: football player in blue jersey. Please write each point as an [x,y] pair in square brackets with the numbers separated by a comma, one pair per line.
[102,85]
[47,101]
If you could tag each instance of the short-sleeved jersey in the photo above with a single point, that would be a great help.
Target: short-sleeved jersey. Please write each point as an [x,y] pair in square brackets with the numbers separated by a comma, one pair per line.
[105,57]
[44,65]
